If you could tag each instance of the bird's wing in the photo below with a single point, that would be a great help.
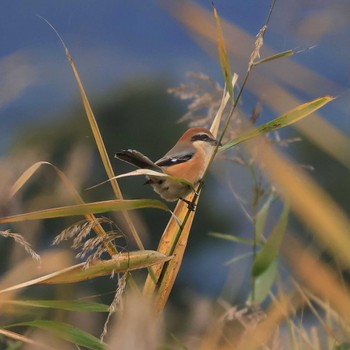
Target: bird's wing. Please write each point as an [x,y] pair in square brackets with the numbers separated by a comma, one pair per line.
[167,161]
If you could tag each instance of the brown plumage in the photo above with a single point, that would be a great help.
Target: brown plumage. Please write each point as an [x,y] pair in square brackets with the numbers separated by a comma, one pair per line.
[188,160]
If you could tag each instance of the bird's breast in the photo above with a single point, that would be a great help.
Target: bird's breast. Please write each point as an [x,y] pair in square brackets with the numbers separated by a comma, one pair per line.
[168,189]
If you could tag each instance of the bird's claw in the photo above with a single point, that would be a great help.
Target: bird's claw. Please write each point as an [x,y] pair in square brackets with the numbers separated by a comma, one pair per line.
[190,205]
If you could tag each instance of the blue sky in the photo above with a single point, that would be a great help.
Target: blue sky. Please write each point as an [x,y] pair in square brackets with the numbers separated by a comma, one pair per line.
[116,41]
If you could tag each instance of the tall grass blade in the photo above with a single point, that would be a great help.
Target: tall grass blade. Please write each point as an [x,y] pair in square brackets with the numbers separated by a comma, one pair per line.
[120,263]
[173,242]
[232,238]
[102,149]
[161,278]
[260,219]
[238,258]
[26,176]
[275,57]
[148,172]
[264,268]
[318,277]
[314,207]
[86,209]
[67,305]
[223,57]
[94,127]
[288,118]
[269,252]
[67,332]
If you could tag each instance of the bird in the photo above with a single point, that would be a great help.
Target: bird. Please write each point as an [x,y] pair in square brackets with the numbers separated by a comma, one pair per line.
[187,160]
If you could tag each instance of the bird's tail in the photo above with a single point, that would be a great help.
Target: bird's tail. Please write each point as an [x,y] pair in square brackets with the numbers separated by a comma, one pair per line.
[138,159]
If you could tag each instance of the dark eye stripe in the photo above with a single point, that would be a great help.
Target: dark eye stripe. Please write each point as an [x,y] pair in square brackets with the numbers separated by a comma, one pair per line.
[202,137]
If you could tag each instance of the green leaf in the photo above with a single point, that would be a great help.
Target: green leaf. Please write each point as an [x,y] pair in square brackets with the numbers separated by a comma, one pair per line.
[275,57]
[288,118]
[86,208]
[263,283]
[62,305]
[223,57]
[260,219]
[237,258]
[269,252]
[232,238]
[66,332]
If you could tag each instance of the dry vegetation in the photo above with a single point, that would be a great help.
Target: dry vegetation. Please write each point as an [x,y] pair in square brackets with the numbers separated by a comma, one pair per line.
[296,299]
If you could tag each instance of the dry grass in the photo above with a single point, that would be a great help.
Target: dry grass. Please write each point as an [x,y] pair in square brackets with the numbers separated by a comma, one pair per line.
[136,318]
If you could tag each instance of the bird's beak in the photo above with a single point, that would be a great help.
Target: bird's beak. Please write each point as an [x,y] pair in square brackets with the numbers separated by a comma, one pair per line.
[216,142]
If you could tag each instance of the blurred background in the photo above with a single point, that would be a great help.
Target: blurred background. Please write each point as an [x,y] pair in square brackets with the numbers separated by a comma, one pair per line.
[128,55]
